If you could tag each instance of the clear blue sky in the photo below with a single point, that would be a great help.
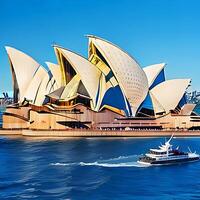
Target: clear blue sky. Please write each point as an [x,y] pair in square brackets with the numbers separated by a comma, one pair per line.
[152,31]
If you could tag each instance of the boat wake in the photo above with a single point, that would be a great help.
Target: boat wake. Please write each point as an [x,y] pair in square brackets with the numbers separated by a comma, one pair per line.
[63,164]
[121,161]
[130,164]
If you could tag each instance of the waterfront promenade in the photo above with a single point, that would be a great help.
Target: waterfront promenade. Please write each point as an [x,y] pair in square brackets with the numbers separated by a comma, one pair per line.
[98,133]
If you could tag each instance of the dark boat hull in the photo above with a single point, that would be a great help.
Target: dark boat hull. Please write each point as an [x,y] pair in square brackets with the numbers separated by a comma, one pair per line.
[166,162]
[175,161]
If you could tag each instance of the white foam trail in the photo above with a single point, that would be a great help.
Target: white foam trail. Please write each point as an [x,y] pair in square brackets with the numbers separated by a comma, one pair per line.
[130,164]
[121,161]
[122,157]
[63,164]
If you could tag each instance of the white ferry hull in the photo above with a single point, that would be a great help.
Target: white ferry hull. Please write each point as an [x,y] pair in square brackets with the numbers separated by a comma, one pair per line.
[165,155]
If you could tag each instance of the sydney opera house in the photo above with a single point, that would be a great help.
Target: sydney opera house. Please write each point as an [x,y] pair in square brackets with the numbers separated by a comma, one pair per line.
[108,90]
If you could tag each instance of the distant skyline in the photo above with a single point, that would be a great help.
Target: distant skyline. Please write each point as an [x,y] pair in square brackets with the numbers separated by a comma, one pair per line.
[151,31]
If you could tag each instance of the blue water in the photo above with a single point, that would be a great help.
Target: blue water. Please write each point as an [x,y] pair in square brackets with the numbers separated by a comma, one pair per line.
[2,109]
[93,168]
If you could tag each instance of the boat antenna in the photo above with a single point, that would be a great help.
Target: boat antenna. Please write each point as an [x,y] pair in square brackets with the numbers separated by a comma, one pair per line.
[170,138]
[189,149]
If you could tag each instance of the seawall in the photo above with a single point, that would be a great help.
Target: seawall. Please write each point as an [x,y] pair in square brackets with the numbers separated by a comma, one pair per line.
[98,133]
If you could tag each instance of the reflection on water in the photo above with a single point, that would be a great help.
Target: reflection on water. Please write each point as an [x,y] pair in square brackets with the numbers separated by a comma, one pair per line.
[92,169]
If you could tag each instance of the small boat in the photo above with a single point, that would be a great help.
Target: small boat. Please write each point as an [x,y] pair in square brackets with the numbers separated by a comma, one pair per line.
[165,154]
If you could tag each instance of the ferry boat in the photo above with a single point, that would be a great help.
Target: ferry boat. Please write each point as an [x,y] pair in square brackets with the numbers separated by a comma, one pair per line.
[165,154]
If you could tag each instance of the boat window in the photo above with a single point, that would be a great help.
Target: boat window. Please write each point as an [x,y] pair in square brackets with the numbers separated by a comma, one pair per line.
[157,153]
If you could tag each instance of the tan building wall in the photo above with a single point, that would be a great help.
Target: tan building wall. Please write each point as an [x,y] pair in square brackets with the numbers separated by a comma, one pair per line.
[87,117]
[45,121]
[16,117]
[44,118]
[179,121]
[13,122]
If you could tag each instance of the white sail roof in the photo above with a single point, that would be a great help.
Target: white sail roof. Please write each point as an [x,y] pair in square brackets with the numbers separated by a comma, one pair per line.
[67,92]
[24,69]
[88,73]
[46,87]
[152,71]
[71,88]
[157,107]
[40,85]
[34,85]
[56,72]
[130,76]
[169,93]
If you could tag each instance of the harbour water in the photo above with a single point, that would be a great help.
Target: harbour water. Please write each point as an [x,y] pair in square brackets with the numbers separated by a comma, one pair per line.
[93,168]
[2,109]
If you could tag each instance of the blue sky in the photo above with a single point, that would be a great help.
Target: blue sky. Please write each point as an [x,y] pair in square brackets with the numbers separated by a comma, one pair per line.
[152,31]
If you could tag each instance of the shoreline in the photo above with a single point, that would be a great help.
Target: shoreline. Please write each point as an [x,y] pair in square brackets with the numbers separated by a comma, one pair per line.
[97,133]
